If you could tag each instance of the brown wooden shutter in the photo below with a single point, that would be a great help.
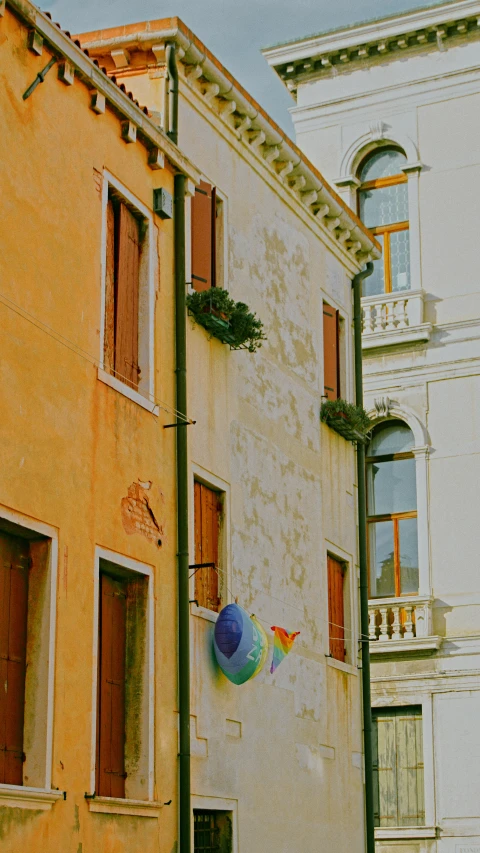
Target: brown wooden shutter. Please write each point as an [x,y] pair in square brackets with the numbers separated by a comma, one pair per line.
[203,237]
[331,366]
[207,526]
[126,299]
[336,615]
[109,339]
[111,693]
[14,564]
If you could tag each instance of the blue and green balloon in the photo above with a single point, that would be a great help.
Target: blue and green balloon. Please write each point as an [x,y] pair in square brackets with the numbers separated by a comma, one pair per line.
[240,644]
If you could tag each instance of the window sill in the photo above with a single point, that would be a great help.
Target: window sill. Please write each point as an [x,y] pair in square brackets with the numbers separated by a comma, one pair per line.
[384,833]
[341,665]
[112,805]
[203,612]
[20,797]
[133,395]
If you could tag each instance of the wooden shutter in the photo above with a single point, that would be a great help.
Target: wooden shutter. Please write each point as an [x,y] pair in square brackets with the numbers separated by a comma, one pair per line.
[14,564]
[203,237]
[331,365]
[109,334]
[207,527]
[336,615]
[411,808]
[126,298]
[111,693]
[398,767]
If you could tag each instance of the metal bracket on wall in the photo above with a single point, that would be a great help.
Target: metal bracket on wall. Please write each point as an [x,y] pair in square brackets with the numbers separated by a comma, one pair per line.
[179,424]
[39,78]
[197,566]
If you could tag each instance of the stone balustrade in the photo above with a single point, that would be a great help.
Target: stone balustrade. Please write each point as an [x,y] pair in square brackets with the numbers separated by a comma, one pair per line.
[401,622]
[394,318]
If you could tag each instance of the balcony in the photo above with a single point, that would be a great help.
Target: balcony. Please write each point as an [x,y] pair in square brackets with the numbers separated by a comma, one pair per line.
[399,625]
[391,319]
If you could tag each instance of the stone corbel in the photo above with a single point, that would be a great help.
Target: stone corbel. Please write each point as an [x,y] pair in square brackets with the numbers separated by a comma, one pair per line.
[322,211]
[193,72]
[272,153]
[210,91]
[227,108]
[243,124]
[298,183]
[285,168]
[309,197]
[332,222]
[121,58]
[257,138]
[344,236]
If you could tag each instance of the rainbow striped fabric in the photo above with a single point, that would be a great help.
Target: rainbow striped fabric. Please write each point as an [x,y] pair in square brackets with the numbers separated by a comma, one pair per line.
[282,645]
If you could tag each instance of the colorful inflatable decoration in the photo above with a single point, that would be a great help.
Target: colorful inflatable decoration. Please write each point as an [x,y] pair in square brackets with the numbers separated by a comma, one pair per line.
[240,644]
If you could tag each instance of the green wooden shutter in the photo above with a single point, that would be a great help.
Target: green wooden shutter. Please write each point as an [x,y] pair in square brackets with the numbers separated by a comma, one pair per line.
[203,237]
[398,767]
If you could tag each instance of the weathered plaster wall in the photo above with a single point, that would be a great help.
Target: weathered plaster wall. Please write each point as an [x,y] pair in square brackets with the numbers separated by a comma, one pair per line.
[71,446]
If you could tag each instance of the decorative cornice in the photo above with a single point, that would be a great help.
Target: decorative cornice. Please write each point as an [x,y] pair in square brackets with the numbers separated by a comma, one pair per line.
[135,123]
[320,56]
[227,99]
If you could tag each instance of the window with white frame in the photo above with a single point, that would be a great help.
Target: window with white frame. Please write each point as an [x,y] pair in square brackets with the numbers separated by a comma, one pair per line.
[392,511]
[383,207]
[123,693]
[128,289]
[28,566]
[398,768]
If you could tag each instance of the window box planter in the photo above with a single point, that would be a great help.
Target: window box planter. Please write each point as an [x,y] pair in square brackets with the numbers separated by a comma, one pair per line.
[351,422]
[229,321]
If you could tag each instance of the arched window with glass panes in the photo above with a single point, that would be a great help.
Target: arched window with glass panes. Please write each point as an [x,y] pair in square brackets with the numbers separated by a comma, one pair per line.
[392,511]
[383,207]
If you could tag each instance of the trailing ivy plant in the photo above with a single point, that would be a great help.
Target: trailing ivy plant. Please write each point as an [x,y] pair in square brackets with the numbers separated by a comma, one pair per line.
[350,421]
[231,322]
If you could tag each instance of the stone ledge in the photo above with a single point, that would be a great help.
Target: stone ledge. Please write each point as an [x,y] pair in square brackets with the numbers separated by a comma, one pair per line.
[387,833]
[21,797]
[399,337]
[418,644]
[113,805]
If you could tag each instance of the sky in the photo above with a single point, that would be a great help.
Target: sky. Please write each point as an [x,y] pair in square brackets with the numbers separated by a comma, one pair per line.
[234,30]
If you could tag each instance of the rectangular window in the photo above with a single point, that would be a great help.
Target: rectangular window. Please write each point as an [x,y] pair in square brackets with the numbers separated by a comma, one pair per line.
[128,290]
[331,353]
[208,513]
[208,238]
[26,654]
[336,608]
[123,699]
[398,766]
[212,831]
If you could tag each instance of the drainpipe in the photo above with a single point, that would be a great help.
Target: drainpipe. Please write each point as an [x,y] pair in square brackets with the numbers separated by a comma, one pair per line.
[182,518]
[172,130]
[362,549]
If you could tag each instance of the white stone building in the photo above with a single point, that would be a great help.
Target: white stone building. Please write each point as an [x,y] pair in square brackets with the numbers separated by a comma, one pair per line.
[391,110]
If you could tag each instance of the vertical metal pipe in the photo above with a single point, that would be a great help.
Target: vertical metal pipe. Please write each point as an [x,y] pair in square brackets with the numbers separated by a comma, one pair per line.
[172,129]
[362,551]
[182,519]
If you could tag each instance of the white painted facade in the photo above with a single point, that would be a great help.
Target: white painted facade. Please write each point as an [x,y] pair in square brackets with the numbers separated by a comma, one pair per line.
[413,81]
[281,754]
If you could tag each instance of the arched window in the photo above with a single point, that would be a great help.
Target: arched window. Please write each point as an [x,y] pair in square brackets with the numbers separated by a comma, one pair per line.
[383,207]
[392,511]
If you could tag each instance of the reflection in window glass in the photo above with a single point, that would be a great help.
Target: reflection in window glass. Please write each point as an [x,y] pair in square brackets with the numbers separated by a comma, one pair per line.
[400,260]
[391,487]
[408,544]
[383,164]
[382,565]
[390,437]
[384,206]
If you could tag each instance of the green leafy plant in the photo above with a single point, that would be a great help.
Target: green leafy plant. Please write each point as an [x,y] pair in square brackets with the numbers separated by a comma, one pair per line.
[350,421]
[230,322]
